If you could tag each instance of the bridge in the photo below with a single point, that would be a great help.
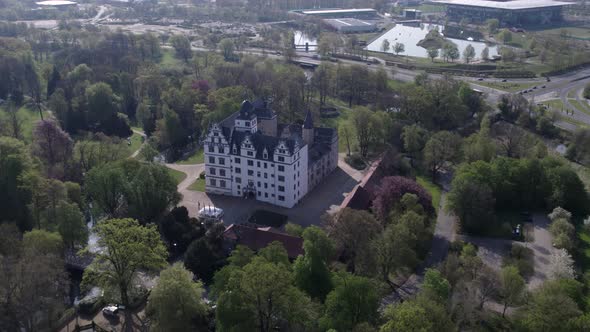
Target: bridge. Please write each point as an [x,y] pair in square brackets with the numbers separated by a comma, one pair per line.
[308,64]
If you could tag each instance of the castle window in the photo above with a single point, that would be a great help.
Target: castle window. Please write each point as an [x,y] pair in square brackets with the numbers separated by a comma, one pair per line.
[281,159]
[215,134]
[265,156]
[212,171]
[222,183]
[213,182]
[257,164]
[221,172]
[238,180]
[221,161]
[281,198]
[250,154]
[250,163]
[250,172]
[238,170]
[237,160]
[212,160]
[211,149]
[281,178]
[235,150]
[247,123]
[281,188]
[281,168]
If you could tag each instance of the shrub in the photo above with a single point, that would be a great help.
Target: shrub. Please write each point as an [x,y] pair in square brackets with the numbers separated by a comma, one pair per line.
[356,161]
[391,190]
[522,258]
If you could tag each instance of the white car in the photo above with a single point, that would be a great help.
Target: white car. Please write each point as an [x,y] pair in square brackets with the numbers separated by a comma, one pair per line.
[110,310]
[211,212]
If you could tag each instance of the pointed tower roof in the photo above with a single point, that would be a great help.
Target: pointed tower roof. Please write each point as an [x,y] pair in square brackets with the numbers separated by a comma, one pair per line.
[308,123]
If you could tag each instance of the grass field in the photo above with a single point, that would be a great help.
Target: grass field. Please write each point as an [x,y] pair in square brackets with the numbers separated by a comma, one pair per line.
[345,113]
[555,104]
[177,175]
[432,189]
[136,142]
[198,185]
[169,59]
[573,32]
[197,158]
[582,106]
[27,119]
[507,86]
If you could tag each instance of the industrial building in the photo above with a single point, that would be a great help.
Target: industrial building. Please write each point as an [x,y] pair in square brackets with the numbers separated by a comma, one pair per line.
[56,4]
[349,25]
[508,12]
[366,13]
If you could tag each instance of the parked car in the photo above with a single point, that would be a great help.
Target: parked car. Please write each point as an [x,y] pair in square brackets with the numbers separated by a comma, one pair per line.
[480,79]
[110,310]
[504,80]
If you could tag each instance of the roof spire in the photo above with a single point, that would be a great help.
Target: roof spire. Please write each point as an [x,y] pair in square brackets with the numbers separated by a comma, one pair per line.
[308,123]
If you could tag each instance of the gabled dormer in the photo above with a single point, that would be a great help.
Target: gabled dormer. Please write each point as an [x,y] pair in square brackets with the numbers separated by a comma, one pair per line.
[247,147]
[246,120]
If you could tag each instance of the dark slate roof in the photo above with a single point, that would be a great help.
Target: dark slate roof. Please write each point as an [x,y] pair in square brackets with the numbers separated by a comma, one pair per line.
[258,238]
[308,123]
[263,110]
[246,111]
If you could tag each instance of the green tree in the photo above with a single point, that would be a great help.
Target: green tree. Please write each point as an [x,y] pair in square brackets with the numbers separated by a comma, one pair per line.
[469,53]
[414,137]
[435,286]
[128,248]
[442,148]
[473,203]
[512,287]
[175,303]
[14,164]
[311,272]
[492,24]
[352,302]
[201,259]
[420,314]
[432,53]
[385,46]
[70,224]
[485,54]
[260,295]
[227,47]
[182,47]
[505,36]
[399,48]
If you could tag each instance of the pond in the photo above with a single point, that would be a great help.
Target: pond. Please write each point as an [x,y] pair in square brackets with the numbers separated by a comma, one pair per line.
[301,38]
[411,35]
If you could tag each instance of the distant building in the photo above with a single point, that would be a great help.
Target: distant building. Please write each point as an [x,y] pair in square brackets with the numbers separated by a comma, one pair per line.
[256,238]
[508,12]
[56,4]
[366,13]
[349,25]
[249,154]
[412,14]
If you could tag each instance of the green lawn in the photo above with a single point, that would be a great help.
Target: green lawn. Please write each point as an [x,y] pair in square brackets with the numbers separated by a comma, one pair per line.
[198,185]
[177,175]
[169,59]
[555,104]
[197,158]
[136,141]
[432,189]
[27,119]
[582,255]
[507,86]
[581,106]
[574,32]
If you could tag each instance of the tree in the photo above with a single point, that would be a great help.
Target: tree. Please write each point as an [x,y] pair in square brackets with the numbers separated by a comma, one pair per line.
[390,192]
[33,283]
[393,250]
[311,272]
[361,119]
[442,148]
[579,148]
[435,286]
[70,224]
[128,248]
[53,146]
[492,24]
[182,47]
[14,164]
[175,303]
[512,287]
[399,48]
[561,265]
[505,36]
[258,296]
[227,49]
[473,203]
[432,53]
[385,46]
[450,51]
[418,314]
[549,308]
[485,54]
[352,302]
[414,137]
[469,53]
[346,131]
[202,259]
[352,232]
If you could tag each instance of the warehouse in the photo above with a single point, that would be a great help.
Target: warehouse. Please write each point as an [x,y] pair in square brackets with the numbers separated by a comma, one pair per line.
[56,4]
[508,12]
[349,25]
[366,13]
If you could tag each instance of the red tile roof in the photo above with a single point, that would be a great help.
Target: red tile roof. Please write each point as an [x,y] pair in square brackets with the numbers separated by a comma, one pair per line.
[258,238]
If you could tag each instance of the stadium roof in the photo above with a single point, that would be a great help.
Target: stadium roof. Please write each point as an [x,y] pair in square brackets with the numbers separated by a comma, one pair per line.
[339,11]
[509,5]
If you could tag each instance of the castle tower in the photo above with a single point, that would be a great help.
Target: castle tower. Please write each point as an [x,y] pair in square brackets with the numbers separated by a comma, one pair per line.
[307,131]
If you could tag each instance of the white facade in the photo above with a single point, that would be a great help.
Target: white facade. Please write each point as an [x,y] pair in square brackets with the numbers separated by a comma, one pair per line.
[242,160]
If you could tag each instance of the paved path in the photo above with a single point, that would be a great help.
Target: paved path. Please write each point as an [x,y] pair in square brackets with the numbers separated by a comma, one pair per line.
[326,197]
[142,134]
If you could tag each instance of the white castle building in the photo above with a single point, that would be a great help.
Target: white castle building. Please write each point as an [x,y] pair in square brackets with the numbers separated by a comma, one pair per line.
[249,154]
